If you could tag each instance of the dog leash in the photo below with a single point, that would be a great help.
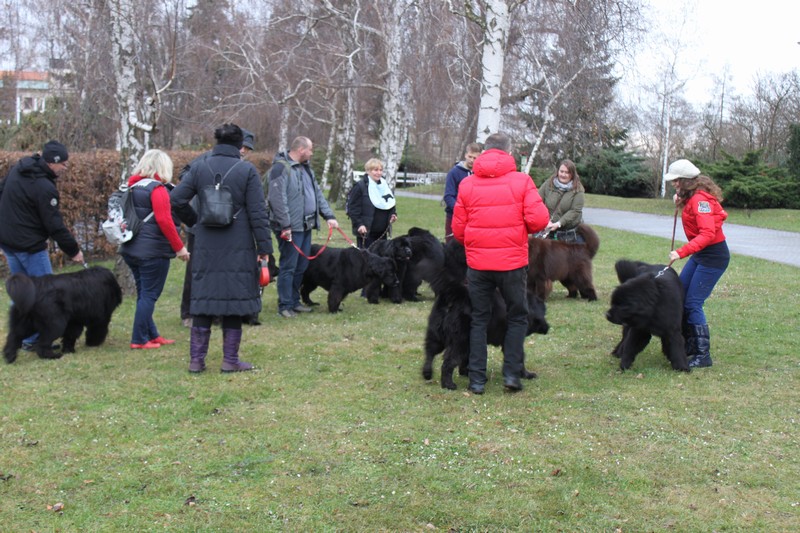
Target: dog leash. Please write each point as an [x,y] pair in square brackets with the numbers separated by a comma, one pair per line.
[674,228]
[324,246]
[387,231]
[672,244]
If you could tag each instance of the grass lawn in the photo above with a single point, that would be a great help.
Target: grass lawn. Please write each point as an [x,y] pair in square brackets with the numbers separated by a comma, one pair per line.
[337,430]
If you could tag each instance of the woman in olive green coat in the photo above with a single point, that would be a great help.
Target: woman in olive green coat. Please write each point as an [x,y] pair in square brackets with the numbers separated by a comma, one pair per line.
[563,194]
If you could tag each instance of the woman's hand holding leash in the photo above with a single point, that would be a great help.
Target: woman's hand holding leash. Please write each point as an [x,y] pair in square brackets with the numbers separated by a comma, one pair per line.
[183,254]
[673,256]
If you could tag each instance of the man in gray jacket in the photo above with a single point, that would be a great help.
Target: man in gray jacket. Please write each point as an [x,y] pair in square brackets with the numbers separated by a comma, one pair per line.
[295,203]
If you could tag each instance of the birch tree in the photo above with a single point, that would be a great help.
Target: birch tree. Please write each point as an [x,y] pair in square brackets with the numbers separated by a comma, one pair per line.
[394,124]
[493,18]
[137,105]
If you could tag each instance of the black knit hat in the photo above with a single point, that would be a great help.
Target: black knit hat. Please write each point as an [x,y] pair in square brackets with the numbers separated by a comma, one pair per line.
[249,139]
[55,152]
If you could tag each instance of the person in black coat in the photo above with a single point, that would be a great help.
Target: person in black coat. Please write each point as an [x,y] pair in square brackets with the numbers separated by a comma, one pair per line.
[371,205]
[30,215]
[224,259]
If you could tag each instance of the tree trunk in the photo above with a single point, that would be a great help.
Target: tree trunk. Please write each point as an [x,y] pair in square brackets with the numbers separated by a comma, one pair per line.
[393,119]
[133,134]
[492,62]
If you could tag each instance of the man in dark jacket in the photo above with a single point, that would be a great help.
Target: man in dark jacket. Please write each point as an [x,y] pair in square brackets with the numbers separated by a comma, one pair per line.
[497,208]
[29,215]
[461,170]
[295,203]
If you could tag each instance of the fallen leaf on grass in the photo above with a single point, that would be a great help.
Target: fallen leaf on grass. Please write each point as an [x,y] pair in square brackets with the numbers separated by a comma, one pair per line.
[88,481]
[56,507]
[360,504]
[556,472]
[191,501]
[5,477]
[639,376]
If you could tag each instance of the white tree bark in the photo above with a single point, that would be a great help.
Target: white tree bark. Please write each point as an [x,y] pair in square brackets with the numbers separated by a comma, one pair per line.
[134,115]
[393,120]
[548,116]
[496,24]
[326,167]
[346,136]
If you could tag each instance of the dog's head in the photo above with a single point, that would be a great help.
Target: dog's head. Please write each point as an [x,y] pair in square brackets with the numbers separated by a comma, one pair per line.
[536,315]
[401,249]
[382,268]
[634,301]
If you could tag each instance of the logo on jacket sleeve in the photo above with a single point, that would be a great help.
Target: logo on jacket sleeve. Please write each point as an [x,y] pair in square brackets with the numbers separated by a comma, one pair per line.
[703,207]
[53,202]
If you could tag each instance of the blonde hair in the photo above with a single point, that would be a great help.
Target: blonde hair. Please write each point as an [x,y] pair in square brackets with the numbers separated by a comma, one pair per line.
[155,162]
[373,164]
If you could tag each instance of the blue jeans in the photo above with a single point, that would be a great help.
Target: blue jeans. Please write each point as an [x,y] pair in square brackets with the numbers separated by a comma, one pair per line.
[291,268]
[32,265]
[512,285]
[150,276]
[698,282]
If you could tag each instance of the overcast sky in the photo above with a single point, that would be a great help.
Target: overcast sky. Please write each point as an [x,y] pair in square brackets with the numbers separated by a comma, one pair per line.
[744,37]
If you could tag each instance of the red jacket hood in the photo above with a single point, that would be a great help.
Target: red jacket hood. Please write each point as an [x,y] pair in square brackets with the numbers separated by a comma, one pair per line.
[493,163]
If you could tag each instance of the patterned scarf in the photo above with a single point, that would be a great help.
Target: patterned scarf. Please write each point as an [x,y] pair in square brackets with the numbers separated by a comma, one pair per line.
[380,194]
[562,186]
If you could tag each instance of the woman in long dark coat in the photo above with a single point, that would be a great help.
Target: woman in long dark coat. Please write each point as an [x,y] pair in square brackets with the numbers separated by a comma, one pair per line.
[224,259]
[371,206]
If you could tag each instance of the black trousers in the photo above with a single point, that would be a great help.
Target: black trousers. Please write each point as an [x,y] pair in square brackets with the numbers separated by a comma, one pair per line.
[512,285]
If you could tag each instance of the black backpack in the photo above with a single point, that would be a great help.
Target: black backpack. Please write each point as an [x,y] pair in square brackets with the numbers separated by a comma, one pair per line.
[123,223]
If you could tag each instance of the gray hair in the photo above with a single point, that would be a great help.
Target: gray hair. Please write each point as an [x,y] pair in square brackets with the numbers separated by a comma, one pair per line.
[499,141]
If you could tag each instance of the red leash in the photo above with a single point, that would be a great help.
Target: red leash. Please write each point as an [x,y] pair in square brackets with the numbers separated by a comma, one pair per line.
[324,246]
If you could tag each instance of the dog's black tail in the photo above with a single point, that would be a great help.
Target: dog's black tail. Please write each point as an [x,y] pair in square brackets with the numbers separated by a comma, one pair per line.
[627,269]
[22,291]
[590,237]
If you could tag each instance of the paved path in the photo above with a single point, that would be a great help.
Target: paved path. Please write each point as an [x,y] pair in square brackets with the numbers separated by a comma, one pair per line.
[772,245]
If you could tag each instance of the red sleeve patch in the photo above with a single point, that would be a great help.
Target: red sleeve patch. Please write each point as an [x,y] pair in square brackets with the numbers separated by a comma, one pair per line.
[703,207]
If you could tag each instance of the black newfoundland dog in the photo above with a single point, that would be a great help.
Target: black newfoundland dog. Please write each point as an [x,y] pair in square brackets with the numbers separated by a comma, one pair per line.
[60,306]
[341,271]
[450,319]
[399,252]
[569,263]
[648,302]
[427,259]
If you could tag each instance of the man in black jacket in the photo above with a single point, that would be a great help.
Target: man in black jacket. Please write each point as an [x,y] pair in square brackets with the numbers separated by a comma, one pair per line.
[29,215]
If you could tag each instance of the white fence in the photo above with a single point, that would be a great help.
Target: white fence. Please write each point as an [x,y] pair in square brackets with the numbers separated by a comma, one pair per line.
[410,179]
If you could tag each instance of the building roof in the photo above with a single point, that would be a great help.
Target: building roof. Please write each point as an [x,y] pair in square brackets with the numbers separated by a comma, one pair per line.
[25,75]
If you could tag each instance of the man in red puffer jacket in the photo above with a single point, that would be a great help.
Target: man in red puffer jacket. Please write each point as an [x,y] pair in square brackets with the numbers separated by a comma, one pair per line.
[496,209]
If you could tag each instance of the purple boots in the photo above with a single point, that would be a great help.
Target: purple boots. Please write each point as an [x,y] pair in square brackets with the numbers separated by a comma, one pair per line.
[198,348]
[231,338]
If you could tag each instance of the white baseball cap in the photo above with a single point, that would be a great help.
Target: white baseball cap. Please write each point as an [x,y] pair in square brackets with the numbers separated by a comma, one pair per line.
[682,168]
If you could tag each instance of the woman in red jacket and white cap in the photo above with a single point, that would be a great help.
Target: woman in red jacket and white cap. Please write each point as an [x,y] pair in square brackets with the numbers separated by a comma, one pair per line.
[702,218]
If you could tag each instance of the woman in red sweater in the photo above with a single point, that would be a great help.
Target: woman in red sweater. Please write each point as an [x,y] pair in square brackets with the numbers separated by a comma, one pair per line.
[702,218]
[149,252]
